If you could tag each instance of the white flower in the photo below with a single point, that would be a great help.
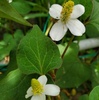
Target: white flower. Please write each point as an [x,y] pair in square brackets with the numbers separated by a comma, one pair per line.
[39,89]
[67,19]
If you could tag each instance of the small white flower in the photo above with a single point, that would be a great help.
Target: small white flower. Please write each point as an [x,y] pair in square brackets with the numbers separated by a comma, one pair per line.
[67,19]
[39,89]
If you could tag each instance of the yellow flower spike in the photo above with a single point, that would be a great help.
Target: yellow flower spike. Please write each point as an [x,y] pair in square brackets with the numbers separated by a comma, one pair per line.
[36,86]
[66,11]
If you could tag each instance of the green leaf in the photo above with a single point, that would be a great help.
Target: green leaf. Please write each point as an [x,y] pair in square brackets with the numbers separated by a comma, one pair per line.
[38,7]
[14,86]
[9,45]
[92,31]
[7,11]
[21,6]
[53,1]
[37,53]
[95,73]
[88,8]
[28,16]
[11,66]
[84,97]
[94,95]
[93,24]
[97,0]
[72,73]
[18,35]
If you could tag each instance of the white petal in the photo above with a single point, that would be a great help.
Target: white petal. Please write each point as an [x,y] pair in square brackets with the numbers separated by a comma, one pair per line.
[76,27]
[58,31]
[52,90]
[78,10]
[42,79]
[39,97]
[29,92]
[55,11]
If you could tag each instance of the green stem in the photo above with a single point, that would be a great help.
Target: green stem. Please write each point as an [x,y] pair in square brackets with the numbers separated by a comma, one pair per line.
[48,29]
[70,41]
[49,98]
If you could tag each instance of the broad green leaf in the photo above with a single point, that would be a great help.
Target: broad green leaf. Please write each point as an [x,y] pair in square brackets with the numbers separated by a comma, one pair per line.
[94,16]
[88,8]
[95,73]
[72,73]
[84,97]
[18,35]
[7,11]
[37,53]
[12,82]
[93,24]
[94,95]
[21,6]
[14,86]
[92,31]
[9,42]
[9,45]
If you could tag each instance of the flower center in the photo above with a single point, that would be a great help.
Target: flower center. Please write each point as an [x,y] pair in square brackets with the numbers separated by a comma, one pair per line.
[66,11]
[37,87]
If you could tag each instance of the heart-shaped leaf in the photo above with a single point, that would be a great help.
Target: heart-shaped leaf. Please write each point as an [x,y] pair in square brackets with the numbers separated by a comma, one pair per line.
[72,73]
[37,53]
[94,94]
